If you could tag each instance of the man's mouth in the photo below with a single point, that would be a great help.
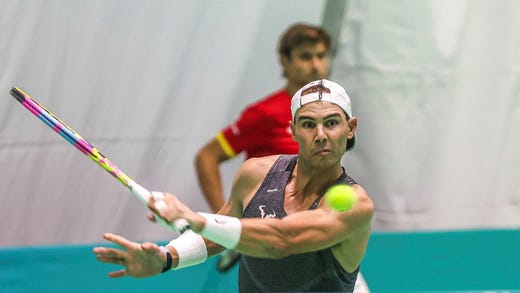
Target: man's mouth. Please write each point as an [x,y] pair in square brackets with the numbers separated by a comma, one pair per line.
[322,152]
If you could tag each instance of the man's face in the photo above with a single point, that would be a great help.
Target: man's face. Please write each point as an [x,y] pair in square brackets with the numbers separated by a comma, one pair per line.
[307,62]
[322,130]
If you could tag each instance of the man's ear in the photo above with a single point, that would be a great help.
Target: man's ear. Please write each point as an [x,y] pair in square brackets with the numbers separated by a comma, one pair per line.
[291,126]
[352,125]
[284,61]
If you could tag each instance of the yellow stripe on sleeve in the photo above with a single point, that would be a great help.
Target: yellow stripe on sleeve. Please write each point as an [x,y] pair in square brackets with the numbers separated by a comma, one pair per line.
[224,144]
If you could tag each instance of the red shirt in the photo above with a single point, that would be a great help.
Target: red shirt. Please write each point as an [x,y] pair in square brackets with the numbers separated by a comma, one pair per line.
[262,129]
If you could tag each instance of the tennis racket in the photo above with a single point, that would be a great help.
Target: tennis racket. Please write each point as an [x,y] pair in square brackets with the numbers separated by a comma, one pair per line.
[179,225]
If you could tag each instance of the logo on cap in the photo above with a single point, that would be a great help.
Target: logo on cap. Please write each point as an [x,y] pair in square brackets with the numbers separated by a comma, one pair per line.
[319,88]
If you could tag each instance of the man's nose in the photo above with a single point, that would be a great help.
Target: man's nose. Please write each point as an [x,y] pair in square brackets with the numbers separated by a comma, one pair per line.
[320,134]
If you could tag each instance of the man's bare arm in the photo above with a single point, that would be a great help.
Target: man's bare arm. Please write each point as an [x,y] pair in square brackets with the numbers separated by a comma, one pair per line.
[207,163]
[304,231]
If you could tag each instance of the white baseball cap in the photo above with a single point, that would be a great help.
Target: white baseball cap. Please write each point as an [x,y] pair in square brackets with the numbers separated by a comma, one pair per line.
[323,90]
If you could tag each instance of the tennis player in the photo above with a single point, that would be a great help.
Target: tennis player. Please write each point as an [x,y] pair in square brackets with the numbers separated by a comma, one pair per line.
[263,126]
[276,216]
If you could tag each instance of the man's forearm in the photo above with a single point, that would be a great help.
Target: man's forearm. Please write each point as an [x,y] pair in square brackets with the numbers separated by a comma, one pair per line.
[210,182]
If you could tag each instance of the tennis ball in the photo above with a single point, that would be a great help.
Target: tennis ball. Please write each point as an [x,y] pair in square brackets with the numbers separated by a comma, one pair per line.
[340,197]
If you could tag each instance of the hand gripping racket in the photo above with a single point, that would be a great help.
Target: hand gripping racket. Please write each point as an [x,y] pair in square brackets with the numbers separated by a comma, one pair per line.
[179,225]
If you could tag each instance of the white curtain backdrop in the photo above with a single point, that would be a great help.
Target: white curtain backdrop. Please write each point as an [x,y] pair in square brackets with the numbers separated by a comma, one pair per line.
[146,82]
[435,85]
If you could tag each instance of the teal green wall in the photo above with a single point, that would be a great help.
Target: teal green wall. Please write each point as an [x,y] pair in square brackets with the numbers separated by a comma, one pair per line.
[75,269]
[443,261]
[395,262]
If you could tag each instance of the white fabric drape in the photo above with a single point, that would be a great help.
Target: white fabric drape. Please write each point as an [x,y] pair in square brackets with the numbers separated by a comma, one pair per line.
[146,82]
[435,85]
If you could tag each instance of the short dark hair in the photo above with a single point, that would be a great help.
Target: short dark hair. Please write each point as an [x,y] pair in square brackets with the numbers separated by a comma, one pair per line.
[301,33]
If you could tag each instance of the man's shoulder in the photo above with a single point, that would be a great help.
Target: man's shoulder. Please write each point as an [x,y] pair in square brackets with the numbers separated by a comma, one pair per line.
[260,163]
[253,171]
[258,167]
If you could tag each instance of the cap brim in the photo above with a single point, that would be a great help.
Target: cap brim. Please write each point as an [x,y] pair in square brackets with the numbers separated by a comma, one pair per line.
[351,143]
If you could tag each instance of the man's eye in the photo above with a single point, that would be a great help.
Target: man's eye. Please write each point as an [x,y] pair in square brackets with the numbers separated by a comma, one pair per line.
[331,123]
[305,56]
[307,124]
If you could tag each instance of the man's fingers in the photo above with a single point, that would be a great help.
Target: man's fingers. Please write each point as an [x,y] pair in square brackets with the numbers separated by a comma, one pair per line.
[123,242]
[160,205]
[117,274]
[149,247]
[109,259]
[158,201]
[157,195]
[107,253]
[151,217]
[99,250]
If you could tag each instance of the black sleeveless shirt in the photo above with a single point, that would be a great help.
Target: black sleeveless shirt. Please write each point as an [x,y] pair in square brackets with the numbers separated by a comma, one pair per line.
[312,271]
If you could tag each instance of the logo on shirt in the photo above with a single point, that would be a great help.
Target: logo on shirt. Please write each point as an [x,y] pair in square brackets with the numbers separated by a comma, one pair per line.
[235,129]
[264,214]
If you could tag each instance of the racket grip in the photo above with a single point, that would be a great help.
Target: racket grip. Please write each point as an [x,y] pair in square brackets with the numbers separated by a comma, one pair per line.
[179,225]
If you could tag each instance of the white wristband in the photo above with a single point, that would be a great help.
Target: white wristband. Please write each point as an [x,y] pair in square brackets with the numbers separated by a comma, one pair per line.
[191,249]
[221,229]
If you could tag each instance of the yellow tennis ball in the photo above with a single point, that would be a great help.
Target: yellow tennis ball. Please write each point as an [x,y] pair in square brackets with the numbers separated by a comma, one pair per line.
[340,197]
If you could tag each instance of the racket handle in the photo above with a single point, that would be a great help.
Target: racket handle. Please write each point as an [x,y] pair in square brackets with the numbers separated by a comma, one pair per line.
[179,225]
